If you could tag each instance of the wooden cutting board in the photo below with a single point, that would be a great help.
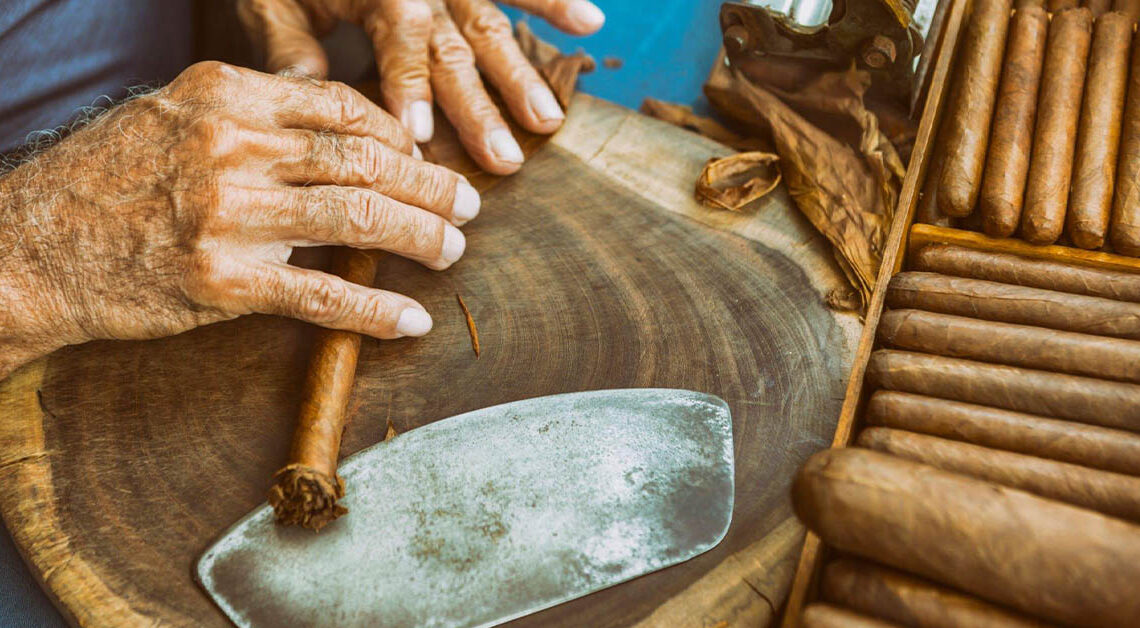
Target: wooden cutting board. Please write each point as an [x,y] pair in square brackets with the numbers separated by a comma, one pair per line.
[591,268]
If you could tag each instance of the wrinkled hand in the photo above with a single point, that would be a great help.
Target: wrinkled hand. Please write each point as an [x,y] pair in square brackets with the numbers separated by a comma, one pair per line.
[432,46]
[181,208]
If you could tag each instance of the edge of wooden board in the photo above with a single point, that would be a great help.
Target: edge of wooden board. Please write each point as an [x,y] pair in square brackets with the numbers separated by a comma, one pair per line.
[922,235]
[811,558]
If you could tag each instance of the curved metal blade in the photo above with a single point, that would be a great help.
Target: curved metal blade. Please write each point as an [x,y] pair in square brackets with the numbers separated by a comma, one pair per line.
[494,514]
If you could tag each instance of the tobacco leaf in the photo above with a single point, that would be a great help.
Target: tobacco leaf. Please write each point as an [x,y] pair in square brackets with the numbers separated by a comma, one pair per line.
[560,70]
[735,181]
[845,179]
[683,116]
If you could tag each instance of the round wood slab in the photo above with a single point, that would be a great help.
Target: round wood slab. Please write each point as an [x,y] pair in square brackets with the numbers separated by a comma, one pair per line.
[591,268]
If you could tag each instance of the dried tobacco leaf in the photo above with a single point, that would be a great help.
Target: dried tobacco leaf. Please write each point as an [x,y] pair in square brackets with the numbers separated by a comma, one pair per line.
[560,70]
[683,116]
[847,189]
[735,181]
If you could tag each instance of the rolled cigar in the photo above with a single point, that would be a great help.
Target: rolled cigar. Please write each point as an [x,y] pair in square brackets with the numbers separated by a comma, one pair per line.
[1016,345]
[1022,271]
[1023,4]
[1055,133]
[1042,557]
[1098,136]
[1056,6]
[1131,8]
[1087,445]
[306,489]
[1084,399]
[1124,227]
[1007,162]
[885,593]
[927,212]
[1113,494]
[994,301]
[828,616]
[968,119]
[1097,8]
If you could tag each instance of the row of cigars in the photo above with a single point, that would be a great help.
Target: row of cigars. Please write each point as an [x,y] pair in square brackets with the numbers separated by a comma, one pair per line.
[1041,138]
[996,480]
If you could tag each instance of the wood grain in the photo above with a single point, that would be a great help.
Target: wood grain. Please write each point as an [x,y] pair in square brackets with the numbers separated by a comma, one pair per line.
[591,268]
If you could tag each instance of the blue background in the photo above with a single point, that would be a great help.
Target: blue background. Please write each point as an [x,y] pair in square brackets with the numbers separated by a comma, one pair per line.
[667,48]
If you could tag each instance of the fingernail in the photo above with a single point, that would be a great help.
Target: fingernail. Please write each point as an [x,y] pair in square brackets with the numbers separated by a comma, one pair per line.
[586,15]
[454,243]
[418,119]
[467,202]
[413,322]
[544,104]
[504,146]
[416,152]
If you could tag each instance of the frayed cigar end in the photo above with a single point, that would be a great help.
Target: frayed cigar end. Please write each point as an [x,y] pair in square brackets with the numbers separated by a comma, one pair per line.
[306,497]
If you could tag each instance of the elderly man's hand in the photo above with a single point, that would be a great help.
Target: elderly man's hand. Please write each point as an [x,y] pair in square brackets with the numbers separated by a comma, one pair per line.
[432,46]
[181,208]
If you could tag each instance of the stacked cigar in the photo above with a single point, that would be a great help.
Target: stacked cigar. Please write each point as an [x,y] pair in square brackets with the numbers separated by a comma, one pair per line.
[1041,138]
[998,479]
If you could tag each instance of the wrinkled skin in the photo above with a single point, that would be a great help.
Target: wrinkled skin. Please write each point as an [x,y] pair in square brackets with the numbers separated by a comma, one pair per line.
[181,208]
[427,48]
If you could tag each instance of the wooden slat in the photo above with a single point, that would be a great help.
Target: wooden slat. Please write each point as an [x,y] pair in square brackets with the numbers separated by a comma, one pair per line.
[811,561]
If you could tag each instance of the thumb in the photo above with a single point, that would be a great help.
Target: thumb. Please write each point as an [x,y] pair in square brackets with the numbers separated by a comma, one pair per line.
[285,34]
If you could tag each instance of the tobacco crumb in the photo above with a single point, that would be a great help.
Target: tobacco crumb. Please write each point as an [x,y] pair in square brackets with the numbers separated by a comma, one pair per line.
[612,63]
[392,433]
[470,325]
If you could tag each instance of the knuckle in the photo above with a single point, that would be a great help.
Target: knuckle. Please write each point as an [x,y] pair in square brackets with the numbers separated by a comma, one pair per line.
[376,314]
[375,161]
[213,137]
[325,300]
[410,15]
[487,25]
[348,107]
[449,50]
[368,214]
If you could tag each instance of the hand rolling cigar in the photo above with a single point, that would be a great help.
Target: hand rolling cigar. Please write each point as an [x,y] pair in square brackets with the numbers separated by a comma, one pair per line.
[1086,445]
[891,595]
[1016,345]
[1007,163]
[968,118]
[1042,557]
[1055,133]
[1124,227]
[1084,399]
[1113,494]
[828,616]
[1098,136]
[958,261]
[994,301]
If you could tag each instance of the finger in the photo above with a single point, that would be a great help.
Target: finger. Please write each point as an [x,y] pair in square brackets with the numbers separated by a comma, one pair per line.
[362,219]
[309,158]
[577,17]
[400,30]
[337,108]
[461,95]
[498,55]
[285,34]
[329,301]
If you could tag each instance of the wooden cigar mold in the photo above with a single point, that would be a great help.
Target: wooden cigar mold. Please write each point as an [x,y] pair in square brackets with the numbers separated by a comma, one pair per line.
[985,470]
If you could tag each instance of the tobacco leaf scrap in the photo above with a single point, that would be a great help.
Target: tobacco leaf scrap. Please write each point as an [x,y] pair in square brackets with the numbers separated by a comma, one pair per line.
[683,116]
[735,181]
[845,179]
[472,330]
[560,70]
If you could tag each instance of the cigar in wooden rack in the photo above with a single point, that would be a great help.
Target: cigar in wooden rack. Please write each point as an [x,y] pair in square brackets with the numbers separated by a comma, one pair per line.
[1054,395]
[972,107]
[1007,162]
[1098,135]
[828,616]
[1055,132]
[1097,8]
[927,212]
[1056,6]
[1016,345]
[1113,494]
[1124,227]
[959,261]
[1131,8]
[1001,302]
[892,595]
[307,489]
[1039,556]
[1077,443]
